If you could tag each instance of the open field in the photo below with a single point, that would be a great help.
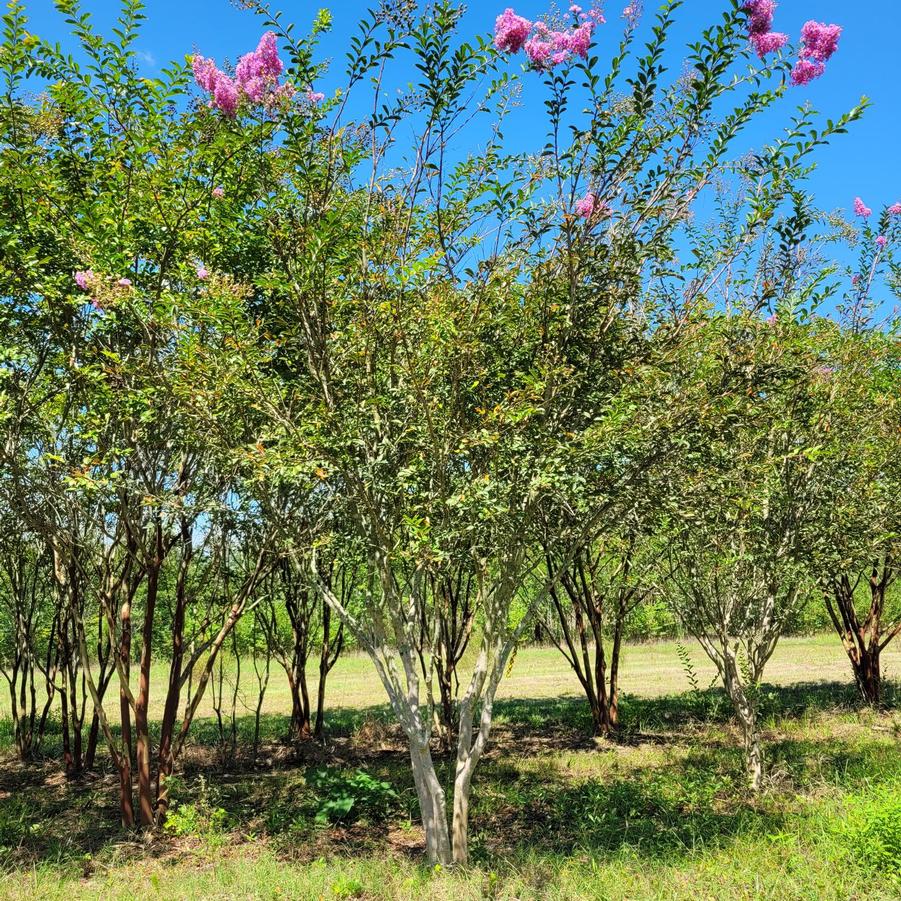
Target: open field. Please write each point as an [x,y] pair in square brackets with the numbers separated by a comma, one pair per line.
[661,813]
[649,670]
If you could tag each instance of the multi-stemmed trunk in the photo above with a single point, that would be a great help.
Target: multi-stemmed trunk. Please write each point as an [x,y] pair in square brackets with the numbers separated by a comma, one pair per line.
[73,699]
[329,652]
[588,602]
[306,611]
[165,758]
[746,712]
[301,728]
[126,789]
[446,839]
[864,638]
[104,677]
[23,700]
[440,654]
[142,699]
[21,673]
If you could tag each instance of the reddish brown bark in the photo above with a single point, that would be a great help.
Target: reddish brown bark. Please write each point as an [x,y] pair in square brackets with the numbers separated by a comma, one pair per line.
[865,636]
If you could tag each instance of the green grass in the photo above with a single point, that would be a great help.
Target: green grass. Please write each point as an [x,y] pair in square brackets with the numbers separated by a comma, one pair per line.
[649,670]
[660,814]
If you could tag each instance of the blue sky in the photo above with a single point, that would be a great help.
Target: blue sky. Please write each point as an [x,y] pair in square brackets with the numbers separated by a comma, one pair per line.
[867,161]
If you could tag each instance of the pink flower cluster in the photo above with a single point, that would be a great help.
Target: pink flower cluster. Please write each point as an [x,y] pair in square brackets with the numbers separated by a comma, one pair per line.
[806,70]
[585,206]
[861,209]
[591,206]
[546,48]
[511,31]
[760,25]
[87,280]
[818,43]
[818,40]
[895,209]
[84,278]
[256,78]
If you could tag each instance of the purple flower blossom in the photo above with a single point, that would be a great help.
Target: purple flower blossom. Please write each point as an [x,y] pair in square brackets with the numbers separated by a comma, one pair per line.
[257,72]
[256,77]
[585,206]
[84,278]
[546,48]
[539,50]
[805,71]
[861,209]
[205,72]
[249,67]
[895,209]
[218,192]
[591,207]
[768,42]
[760,15]
[511,31]
[771,319]
[855,280]
[819,41]
[254,89]
[580,40]
[315,96]
[267,51]
[225,95]
[881,241]
[202,272]
[124,283]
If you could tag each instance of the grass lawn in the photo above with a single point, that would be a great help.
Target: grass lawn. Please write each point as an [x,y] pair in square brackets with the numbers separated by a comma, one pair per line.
[659,814]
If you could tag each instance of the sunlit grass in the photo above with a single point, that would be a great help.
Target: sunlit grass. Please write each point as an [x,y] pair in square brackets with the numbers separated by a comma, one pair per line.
[660,814]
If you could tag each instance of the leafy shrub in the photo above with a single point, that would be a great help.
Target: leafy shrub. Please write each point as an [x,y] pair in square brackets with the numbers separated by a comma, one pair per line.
[347,887]
[875,832]
[652,620]
[346,798]
[200,818]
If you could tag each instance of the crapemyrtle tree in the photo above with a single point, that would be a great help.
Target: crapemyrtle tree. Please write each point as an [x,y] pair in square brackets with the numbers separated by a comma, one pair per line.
[855,550]
[441,319]
[741,510]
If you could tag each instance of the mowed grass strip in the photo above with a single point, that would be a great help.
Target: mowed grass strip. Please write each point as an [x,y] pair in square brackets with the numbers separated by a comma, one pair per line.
[648,669]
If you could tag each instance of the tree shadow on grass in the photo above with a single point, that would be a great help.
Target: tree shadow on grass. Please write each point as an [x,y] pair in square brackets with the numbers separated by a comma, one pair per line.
[653,814]
[686,800]
[695,803]
[666,718]
[688,796]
